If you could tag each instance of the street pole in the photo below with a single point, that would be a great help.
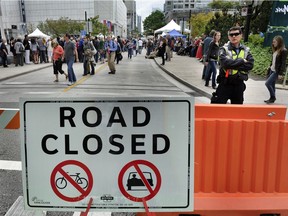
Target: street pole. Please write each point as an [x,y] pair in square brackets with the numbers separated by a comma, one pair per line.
[248,19]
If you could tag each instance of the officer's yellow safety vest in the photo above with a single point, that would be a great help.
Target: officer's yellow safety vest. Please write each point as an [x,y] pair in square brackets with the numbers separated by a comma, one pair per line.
[233,55]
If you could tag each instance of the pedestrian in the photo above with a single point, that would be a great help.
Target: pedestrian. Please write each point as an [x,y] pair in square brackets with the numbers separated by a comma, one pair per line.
[129,46]
[111,47]
[4,53]
[57,55]
[277,68]
[235,63]
[162,49]
[211,59]
[88,56]
[140,46]
[35,50]
[42,49]
[69,55]
[19,49]
[12,48]
[26,44]
[119,56]
[205,45]
[49,49]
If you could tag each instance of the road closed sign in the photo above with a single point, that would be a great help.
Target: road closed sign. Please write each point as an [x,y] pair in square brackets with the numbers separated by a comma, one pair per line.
[124,153]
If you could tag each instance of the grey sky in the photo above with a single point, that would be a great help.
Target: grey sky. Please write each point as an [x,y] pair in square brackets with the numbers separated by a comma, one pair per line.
[144,7]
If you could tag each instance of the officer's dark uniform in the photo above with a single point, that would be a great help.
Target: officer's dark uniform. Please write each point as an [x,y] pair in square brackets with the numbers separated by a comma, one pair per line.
[232,74]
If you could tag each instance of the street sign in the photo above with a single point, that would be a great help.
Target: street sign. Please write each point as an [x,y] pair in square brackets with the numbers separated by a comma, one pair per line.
[121,152]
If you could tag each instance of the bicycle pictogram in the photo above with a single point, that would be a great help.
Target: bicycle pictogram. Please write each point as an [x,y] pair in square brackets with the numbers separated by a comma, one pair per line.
[61,182]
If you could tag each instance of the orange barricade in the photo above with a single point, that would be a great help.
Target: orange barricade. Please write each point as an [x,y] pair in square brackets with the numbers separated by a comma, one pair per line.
[241,161]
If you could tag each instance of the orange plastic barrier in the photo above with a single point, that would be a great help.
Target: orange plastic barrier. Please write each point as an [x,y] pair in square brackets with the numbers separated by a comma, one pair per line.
[241,161]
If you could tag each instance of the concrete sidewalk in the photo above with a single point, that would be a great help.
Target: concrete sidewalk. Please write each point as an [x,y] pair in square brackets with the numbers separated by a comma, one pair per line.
[189,71]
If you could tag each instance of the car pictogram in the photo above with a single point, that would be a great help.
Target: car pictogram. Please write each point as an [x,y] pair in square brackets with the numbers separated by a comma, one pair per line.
[135,181]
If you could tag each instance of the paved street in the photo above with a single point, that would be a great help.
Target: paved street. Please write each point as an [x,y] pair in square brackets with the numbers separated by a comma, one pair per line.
[138,76]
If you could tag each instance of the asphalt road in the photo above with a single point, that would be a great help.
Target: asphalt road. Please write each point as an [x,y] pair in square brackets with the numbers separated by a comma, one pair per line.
[135,77]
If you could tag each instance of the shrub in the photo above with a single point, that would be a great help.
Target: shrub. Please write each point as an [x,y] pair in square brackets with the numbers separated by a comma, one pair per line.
[262,55]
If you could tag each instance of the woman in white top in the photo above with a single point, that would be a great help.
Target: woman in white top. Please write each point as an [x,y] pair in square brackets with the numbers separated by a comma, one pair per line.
[277,67]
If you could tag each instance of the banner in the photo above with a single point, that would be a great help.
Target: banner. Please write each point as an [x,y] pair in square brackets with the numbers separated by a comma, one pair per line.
[278,22]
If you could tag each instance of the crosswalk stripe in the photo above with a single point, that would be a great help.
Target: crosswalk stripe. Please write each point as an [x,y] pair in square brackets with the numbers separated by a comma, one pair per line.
[10,165]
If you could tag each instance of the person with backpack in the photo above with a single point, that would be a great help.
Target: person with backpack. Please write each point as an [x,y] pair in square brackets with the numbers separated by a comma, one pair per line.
[111,48]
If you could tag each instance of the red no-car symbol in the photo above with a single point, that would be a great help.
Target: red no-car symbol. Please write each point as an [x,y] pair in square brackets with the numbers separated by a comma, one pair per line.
[80,184]
[143,180]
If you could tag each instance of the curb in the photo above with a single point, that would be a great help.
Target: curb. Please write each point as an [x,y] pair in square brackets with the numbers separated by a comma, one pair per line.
[198,90]
[24,73]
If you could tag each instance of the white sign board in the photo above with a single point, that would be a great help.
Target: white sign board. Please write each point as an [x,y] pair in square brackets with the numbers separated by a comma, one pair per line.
[119,152]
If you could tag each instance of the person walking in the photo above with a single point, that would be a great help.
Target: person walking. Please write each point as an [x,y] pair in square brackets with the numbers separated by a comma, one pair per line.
[277,68]
[205,47]
[211,59]
[57,54]
[235,63]
[69,55]
[111,47]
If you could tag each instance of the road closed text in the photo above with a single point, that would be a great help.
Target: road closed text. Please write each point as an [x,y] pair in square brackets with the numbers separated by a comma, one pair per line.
[93,144]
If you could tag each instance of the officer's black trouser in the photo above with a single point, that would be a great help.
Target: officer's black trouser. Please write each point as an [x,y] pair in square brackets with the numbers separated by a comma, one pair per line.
[234,92]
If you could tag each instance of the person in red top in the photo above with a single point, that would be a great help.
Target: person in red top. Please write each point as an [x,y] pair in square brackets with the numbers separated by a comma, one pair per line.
[57,60]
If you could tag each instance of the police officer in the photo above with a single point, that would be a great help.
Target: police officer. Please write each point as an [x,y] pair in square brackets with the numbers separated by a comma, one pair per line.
[235,63]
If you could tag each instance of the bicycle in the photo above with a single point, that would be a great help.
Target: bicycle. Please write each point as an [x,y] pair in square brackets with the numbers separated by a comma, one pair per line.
[61,182]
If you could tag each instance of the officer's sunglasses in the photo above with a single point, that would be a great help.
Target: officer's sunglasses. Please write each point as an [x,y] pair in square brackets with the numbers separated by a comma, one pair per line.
[234,34]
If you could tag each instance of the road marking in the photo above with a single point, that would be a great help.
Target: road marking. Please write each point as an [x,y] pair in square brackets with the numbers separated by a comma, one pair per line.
[84,78]
[94,214]
[10,165]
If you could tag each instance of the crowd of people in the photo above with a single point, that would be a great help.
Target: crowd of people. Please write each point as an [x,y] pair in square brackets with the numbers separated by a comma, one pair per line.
[233,60]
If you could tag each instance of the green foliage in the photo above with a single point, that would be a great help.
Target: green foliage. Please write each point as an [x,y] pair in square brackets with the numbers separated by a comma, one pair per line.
[261,17]
[256,40]
[198,23]
[222,23]
[60,27]
[98,27]
[262,58]
[153,22]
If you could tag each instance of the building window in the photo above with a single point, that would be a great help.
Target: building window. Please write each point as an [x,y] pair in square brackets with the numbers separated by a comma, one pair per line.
[192,6]
[186,5]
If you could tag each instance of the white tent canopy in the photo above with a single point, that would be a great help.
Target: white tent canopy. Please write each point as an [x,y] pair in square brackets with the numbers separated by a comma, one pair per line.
[38,34]
[169,27]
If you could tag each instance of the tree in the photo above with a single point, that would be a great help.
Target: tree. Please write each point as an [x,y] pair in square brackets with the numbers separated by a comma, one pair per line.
[153,22]
[98,27]
[60,27]
[261,17]
[199,21]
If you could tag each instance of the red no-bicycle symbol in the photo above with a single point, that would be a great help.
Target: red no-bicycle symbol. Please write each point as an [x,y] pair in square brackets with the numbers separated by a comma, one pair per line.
[80,183]
[147,183]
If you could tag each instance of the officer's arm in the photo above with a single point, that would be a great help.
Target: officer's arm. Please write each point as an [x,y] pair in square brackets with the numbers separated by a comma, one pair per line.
[248,63]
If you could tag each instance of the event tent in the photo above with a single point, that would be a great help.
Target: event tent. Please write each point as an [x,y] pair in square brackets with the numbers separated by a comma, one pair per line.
[38,34]
[175,33]
[169,27]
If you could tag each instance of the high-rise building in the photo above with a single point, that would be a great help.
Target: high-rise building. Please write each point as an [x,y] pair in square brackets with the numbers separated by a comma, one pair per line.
[131,16]
[181,9]
[139,24]
[16,15]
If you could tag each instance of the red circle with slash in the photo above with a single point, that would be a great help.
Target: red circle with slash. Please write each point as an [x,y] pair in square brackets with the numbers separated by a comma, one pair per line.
[136,164]
[83,193]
